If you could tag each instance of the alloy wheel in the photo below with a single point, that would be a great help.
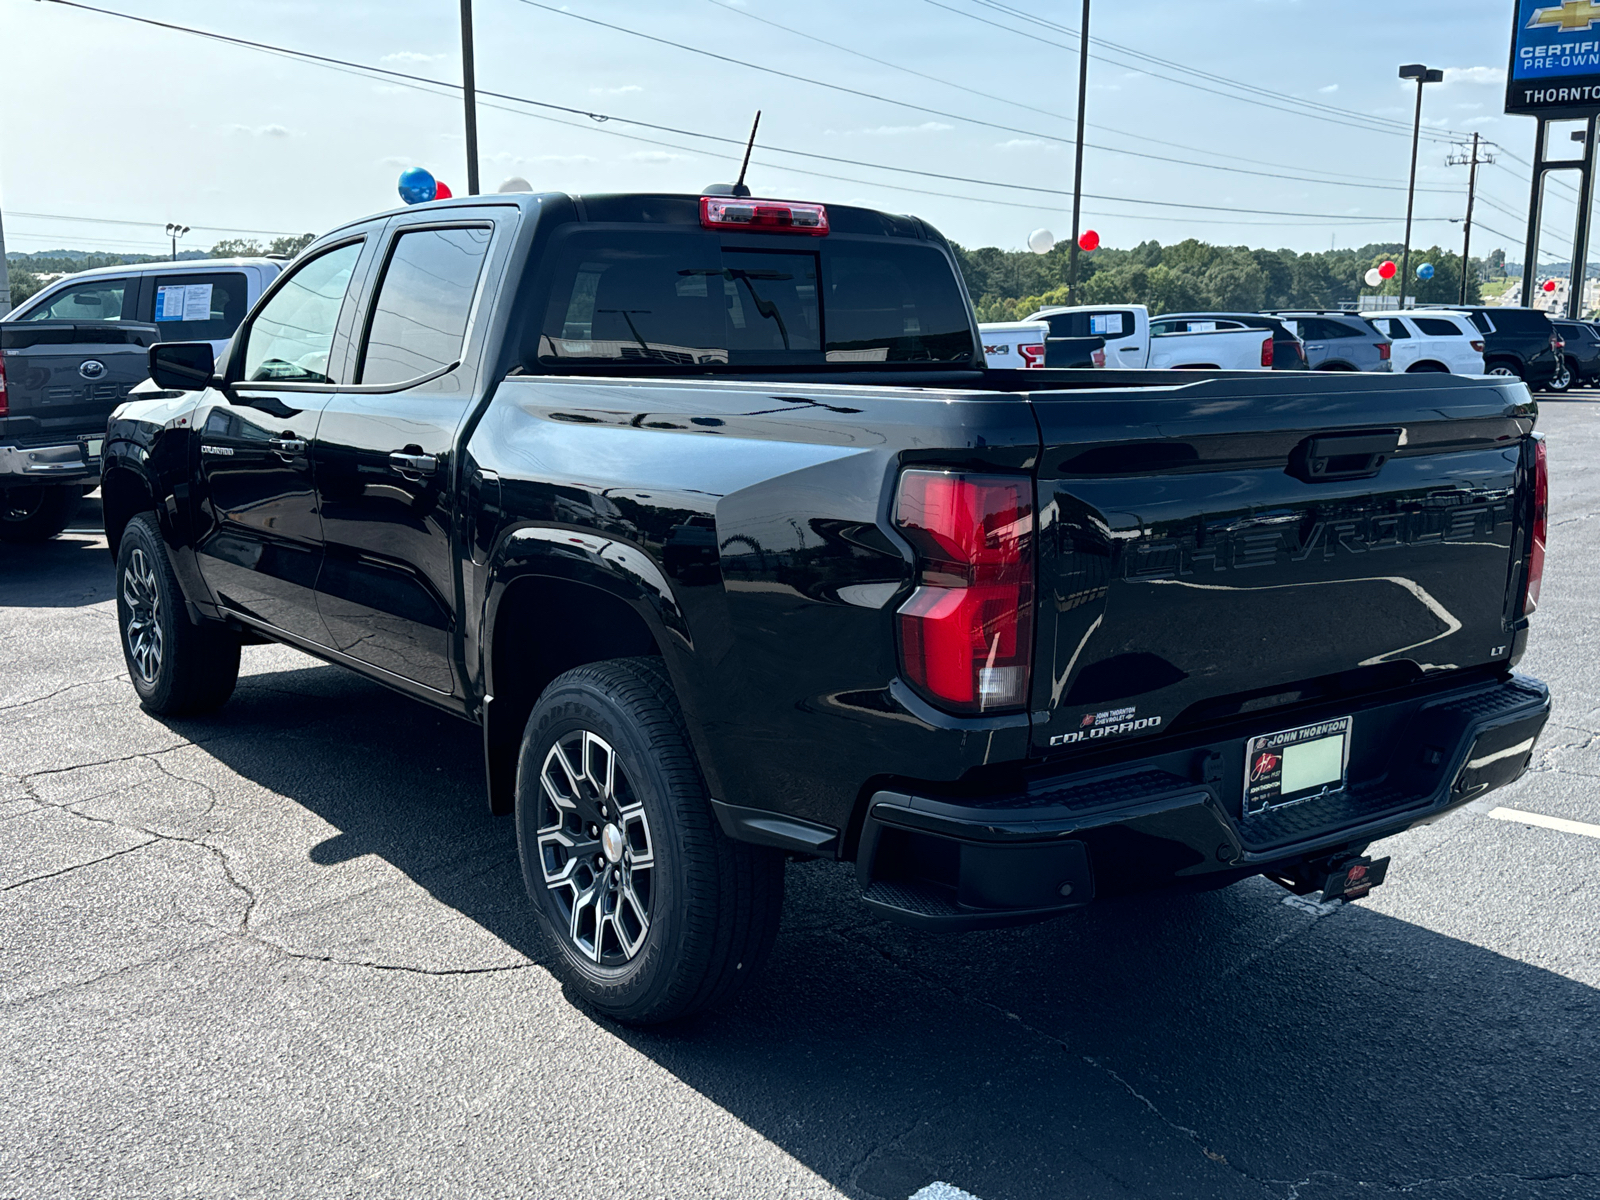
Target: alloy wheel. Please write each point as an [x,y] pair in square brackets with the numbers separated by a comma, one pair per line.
[142,595]
[595,848]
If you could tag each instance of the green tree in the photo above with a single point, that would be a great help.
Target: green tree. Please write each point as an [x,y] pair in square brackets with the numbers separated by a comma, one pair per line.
[291,246]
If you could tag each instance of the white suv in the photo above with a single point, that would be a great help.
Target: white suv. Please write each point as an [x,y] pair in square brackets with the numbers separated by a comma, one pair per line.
[195,300]
[1431,340]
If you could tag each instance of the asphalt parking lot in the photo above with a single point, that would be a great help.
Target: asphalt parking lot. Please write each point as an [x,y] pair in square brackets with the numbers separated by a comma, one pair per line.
[284,951]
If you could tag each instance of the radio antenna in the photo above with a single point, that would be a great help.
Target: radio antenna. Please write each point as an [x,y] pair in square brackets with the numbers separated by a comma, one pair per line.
[739,188]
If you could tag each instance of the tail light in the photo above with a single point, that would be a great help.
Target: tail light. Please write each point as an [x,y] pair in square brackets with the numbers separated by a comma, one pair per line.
[1478,346]
[1266,353]
[774,216]
[5,400]
[1032,356]
[1384,349]
[1556,343]
[1541,513]
[1300,349]
[966,633]
[1098,357]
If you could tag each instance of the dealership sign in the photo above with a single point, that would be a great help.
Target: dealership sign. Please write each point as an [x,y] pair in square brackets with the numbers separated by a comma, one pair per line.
[1555,59]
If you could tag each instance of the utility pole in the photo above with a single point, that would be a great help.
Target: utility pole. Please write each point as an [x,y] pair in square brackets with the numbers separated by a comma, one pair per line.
[1471,162]
[469,94]
[5,275]
[1077,170]
[1422,75]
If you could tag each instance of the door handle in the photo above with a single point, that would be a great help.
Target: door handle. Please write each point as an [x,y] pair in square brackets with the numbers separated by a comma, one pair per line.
[407,463]
[288,445]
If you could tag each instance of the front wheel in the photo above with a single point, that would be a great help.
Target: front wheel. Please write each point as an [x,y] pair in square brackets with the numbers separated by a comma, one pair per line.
[37,513]
[177,667]
[653,913]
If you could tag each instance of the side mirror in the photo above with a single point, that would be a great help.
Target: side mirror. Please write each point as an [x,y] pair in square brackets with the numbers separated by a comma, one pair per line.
[182,366]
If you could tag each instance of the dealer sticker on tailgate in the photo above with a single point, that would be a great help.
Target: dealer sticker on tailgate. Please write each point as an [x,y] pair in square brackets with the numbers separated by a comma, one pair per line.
[1295,765]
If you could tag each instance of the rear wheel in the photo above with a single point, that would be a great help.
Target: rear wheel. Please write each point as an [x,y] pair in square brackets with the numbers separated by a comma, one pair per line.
[653,913]
[1427,368]
[38,513]
[177,667]
[1561,380]
[1504,368]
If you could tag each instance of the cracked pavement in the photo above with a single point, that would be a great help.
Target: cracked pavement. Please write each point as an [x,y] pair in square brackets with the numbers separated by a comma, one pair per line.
[284,951]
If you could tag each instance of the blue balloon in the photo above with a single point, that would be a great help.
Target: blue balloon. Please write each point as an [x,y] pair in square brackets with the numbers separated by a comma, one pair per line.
[1425,271]
[417,186]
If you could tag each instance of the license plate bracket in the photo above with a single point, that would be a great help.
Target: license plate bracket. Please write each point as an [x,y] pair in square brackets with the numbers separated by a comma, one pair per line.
[1292,766]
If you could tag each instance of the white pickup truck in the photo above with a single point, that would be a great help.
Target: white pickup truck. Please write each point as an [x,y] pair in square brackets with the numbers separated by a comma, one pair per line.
[1134,341]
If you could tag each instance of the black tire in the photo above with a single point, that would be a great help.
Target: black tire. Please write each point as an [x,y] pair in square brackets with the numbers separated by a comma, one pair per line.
[1561,381]
[177,667]
[710,905]
[1504,367]
[37,514]
[1427,368]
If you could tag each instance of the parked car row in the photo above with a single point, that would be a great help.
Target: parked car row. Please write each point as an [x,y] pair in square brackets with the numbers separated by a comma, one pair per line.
[71,353]
[1524,343]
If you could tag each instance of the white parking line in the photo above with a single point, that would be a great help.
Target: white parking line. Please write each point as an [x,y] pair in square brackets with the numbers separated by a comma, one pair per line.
[1561,823]
[942,1191]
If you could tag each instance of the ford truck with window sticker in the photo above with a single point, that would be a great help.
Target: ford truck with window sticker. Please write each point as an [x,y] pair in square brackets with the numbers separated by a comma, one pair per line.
[709,513]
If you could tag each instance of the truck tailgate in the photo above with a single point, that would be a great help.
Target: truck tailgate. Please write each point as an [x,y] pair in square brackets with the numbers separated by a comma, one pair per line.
[63,378]
[1239,545]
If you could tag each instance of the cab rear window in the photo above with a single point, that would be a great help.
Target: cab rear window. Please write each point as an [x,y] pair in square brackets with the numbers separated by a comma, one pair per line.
[690,300]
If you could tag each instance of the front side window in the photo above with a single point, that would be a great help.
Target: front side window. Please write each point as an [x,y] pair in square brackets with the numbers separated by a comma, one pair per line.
[199,308]
[419,319]
[1392,328]
[99,300]
[686,300]
[291,339]
[1438,327]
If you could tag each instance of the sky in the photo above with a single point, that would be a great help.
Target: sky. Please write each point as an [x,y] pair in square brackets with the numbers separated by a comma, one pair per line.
[107,123]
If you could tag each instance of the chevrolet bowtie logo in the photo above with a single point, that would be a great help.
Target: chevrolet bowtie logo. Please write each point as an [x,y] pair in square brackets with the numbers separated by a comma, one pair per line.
[1570,15]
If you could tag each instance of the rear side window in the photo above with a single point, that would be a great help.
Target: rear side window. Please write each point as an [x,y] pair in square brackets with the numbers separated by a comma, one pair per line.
[1481,320]
[1112,323]
[683,299]
[1438,327]
[93,300]
[204,307]
[419,319]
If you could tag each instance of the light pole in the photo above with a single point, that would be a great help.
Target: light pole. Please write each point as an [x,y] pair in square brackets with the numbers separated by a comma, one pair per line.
[1422,75]
[175,232]
[1077,169]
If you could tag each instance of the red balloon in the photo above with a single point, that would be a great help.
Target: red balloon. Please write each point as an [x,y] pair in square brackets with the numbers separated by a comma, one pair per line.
[1549,285]
[1089,241]
[442,191]
[1387,269]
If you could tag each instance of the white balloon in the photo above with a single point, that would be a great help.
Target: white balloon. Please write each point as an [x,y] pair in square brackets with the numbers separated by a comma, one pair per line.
[515,184]
[1373,277]
[1041,241]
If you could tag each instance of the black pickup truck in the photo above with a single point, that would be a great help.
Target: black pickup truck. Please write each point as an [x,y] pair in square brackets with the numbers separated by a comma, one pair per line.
[707,511]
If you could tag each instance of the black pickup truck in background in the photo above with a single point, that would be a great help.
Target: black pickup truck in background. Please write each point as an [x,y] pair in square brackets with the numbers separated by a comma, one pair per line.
[59,381]
[707,511]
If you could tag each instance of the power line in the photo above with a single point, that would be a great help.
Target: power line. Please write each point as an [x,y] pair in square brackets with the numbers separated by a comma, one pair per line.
[951,116]
[147,224]
[811,37]
[1327,112]
[442,88]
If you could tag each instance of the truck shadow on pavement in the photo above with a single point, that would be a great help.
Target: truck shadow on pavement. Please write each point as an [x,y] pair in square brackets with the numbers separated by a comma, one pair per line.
[1221,1044]
[69,571]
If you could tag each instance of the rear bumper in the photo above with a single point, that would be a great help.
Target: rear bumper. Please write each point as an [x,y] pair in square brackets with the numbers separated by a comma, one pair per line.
[981,862]
[62,460]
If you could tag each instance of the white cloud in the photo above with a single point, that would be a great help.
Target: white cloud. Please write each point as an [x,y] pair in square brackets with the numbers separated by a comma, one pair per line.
[1329,90]
[269,131]
[1027,144]
[398,162]
[624,90]
[656,156]
[566,160]
[410,58]
[1476,75]
[892,130]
